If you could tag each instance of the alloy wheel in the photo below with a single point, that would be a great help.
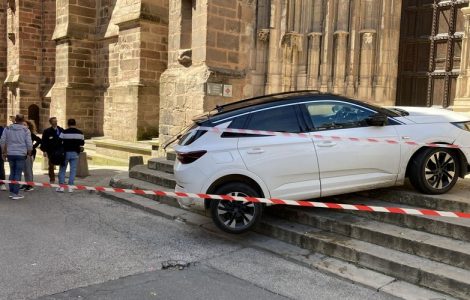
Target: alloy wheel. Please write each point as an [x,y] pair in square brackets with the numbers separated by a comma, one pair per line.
[440,170]
[236,214]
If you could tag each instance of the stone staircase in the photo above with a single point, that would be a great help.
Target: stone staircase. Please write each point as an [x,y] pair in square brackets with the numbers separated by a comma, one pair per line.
[426,251]
[103,151]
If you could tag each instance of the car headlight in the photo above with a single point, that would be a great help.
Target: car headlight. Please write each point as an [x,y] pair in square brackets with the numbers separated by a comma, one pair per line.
[463,125]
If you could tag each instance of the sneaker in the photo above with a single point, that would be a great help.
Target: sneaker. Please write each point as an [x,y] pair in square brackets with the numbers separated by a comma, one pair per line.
[3,187]
[23,187]
[59,190]
[70,190]
[10,196]
[17,197]
[29,188]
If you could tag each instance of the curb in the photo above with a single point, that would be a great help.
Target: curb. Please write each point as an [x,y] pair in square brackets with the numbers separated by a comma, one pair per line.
[325,264]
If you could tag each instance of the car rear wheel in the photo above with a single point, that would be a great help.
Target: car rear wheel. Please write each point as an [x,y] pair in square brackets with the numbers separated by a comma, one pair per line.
[434,171]
[236,217]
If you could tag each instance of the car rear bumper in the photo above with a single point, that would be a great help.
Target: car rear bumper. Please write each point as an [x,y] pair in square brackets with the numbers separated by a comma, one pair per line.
[189,203]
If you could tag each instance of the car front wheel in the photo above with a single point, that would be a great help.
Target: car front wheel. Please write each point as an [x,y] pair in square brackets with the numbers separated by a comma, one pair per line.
[434,171]
[235,216]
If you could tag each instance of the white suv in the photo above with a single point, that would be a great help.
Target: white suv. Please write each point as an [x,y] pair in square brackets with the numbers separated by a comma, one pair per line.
[297,168]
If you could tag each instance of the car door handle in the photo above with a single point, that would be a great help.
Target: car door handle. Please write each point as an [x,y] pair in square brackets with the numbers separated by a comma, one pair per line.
[255,151]
[326,144]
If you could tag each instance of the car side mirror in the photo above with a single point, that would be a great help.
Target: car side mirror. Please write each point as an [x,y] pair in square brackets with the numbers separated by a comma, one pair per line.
[377,120]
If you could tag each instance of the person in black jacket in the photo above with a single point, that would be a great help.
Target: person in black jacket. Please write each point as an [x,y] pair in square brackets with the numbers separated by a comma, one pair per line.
[72,141]
[28,170]
[51,145]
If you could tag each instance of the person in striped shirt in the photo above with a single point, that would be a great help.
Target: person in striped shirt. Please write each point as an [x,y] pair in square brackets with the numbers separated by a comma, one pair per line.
[73,142]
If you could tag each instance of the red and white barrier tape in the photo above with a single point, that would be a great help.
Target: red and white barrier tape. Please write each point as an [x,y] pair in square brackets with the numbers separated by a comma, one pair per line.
[328,137]
[358,207]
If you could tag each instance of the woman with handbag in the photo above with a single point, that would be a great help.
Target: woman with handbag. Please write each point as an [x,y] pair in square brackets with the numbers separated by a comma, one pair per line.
[29,163]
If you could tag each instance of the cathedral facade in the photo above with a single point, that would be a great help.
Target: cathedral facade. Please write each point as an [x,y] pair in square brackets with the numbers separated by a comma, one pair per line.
[135,69]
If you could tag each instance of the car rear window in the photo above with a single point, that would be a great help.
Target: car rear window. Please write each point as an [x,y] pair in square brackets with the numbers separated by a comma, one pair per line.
[282,119]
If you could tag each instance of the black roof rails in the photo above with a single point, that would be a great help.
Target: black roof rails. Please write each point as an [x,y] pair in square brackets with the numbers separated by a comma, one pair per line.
[220,108]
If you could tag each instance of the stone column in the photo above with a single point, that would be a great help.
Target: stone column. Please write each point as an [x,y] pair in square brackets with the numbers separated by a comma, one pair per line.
[327,43]
[291,45]
[341,36]
[341,44]
[277,25]
[368,48]
[387,56]
[462,99]
[314,52]
[305,28]
[367,64]
[352,69]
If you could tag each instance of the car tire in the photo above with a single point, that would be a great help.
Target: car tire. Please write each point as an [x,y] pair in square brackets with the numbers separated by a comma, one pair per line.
[236,217]
[434,171]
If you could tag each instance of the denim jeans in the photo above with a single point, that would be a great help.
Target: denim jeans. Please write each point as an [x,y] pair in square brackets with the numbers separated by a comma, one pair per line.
[72,159]
[28,169]
[16,169]
[2,167]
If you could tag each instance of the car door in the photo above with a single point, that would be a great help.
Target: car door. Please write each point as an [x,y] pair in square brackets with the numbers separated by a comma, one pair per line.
[348,166]
[287,165]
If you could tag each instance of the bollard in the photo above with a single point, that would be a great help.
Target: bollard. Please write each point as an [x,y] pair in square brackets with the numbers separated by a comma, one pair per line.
[82,168]
[135,161]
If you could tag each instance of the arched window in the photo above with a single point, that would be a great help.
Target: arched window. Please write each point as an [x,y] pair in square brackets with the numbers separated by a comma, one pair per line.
[33,114]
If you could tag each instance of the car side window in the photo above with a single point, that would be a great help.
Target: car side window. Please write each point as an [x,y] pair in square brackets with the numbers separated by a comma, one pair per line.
[337,115]
[282,119]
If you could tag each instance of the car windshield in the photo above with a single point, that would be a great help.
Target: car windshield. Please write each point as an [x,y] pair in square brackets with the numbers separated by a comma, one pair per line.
[391,112]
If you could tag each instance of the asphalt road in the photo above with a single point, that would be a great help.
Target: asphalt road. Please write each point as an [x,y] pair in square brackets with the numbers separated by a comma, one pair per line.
[83,246]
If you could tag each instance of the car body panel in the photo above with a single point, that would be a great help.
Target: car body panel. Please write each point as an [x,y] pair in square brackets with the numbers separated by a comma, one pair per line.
[299,168]
[359,164]
[288,165]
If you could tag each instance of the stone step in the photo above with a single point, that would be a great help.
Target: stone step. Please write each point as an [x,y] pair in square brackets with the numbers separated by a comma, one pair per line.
[142,172]
[171,155]
[125,182]
[455,200]
[434,247]
[99,159]
[122,149]
[454,228]
[161,164]
[411,268]
[323,263]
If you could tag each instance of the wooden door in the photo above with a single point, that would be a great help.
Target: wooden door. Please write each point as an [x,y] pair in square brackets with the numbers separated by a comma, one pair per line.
[430,47]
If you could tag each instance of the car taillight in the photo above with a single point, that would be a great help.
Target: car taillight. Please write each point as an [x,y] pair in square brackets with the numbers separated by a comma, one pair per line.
[189,157]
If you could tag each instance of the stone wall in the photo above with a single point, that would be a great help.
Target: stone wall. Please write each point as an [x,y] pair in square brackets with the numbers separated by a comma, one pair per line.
[3,62]
[345,47]
[137,51]
[112,55]
[221,47]
[30,68]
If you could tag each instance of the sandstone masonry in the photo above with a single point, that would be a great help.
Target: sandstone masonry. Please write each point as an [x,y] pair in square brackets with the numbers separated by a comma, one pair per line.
[137,69]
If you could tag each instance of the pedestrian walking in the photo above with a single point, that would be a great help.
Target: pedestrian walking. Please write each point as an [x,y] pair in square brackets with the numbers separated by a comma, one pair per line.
[52,147]
[73,142]
[16,145]
[28,170]
[2,165]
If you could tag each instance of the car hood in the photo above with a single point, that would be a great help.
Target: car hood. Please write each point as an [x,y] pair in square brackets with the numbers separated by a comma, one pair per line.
[424,115]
